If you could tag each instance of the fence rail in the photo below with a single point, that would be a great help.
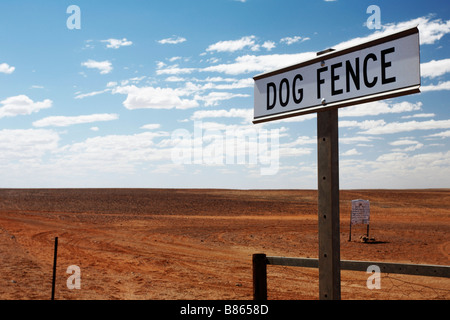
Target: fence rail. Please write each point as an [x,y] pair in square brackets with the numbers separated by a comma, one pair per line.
[260,262]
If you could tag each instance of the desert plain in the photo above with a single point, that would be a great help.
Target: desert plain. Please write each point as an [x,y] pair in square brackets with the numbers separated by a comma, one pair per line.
[197,244]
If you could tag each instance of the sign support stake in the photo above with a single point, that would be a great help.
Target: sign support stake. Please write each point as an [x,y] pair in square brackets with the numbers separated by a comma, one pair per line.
[328,205]
[55,254]
[350,231]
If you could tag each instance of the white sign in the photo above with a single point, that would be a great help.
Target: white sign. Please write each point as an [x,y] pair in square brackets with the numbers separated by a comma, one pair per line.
[379,69]
[360,212]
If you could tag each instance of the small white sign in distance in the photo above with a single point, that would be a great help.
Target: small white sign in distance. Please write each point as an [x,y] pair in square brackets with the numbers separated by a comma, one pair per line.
[360,212]
[382,68]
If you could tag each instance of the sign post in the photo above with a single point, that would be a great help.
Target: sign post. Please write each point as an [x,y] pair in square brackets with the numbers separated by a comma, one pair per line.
[328,205]
[382,68]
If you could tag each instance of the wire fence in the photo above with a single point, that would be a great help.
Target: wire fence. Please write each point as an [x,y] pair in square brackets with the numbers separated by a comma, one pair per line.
[302,283]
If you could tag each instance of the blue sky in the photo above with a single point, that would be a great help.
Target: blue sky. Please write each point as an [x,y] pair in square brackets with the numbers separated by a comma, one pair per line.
[154,93]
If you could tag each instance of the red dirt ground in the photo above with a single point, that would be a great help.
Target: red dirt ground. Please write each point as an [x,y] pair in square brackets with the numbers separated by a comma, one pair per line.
[163,244]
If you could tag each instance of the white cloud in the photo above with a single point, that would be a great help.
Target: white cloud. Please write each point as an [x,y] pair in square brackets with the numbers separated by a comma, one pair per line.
[90,94]
[294,152]
[82,163]
[111,84]
[151,126]
[64,121]
[103,66]
[435,68]
[252,63]
[173,70]
[401,162]
[365,125]
[25,144]
[154,98]
[430,31]
[302,140]
[355,139]
[112,153]
[411,148]
[88,44]
[233,45]
[222,113]
[268,45]
[436,87]
[263,63]
[392,157]
[413,145]
[396,127]
[420,115]
[218,79]
[172,40]
[238,84]
[402,142]
[351,152]
[292,40]
[117,43]
[174,59]
[305,117]
[212,83]
[22,105]
[213,98]
[444,134]
[244,64]
[398,170]
[175,79]
[6,68]
[379,107]
[213,60]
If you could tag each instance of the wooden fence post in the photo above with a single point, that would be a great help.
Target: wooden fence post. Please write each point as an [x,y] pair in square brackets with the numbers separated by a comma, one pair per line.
[259,276]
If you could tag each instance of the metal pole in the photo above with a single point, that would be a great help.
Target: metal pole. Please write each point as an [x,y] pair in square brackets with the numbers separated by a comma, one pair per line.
[328,205]
[259,276]
[54,268]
